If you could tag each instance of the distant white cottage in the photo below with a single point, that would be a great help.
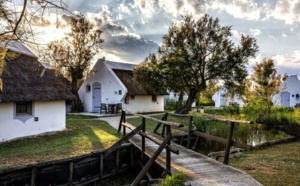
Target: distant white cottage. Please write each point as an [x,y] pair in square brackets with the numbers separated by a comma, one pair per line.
[33,98]
[112,83]
[175,97]
[221,100]
[289,93]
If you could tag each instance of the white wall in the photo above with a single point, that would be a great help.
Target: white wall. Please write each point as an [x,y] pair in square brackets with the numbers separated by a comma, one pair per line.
[144,104]
[220,100]
[109,84]
[51,117]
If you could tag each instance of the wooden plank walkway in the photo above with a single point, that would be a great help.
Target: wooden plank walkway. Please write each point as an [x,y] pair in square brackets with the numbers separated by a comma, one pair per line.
[199,169]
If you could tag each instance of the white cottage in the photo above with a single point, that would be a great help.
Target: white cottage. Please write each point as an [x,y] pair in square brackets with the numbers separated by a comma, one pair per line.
[175,97]
[112,83]
[32,100]
[289,93]
[221,100]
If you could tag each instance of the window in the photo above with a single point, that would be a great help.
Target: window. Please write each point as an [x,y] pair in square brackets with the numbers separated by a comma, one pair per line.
[24,108]
[154,98]
[88,88]
[297,97]
[120,92]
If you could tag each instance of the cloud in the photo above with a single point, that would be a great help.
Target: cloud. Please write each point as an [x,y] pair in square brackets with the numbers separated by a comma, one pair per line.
[272,37]
[67,18]
[247,9]
[283,35]
[236,34]
[40,21]
[286,10]
[129,47]
[288,60]
[255,32]
[119,43]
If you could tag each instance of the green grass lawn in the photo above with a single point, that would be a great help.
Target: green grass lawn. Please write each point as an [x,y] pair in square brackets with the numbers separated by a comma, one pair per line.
[81,137]
[151,125]
[275,165]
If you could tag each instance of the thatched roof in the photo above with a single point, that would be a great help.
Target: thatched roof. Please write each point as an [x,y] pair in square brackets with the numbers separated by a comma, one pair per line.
[25,79]
[126,76]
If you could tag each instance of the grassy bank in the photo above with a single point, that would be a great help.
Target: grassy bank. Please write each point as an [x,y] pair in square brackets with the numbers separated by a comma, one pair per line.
[81,137]
[275,165]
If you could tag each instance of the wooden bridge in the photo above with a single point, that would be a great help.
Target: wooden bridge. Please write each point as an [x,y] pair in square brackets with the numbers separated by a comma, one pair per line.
[199,169]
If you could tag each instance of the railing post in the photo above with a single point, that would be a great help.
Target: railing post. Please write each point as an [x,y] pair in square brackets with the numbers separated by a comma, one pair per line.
[121,120]
[164,118]
[124,130]
[143,137]
[190,132]
[168,152]
[229,141]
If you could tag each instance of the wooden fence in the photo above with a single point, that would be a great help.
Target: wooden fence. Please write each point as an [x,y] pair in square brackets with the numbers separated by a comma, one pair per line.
[165,144]
[228,142]
[79,170]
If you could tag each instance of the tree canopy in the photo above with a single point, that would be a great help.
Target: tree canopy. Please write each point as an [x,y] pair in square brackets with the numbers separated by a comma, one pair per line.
[72,55]
[193,53]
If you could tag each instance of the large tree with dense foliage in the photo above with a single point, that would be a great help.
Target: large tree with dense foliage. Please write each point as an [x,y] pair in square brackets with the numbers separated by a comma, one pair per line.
[194,53]
[72,55]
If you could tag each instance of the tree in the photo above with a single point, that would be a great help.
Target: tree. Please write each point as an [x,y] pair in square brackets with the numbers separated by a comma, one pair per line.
[15,25]
[73,54]
[266,83]
[194,53]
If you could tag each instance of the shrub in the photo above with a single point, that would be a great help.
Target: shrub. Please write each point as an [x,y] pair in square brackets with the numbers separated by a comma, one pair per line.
[172,104]
[177,179]
[206,102]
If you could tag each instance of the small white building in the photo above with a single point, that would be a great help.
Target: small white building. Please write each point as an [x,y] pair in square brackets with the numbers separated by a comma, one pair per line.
[111,83]
[223,100]
[175,97]
[289,93]
[32,100]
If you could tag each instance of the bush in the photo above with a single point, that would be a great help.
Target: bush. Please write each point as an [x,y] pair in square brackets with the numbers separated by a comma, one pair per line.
[177,179]
[172,104]
[206,102]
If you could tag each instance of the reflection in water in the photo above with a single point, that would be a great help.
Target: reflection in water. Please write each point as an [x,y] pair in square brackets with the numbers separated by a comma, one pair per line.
[253,134]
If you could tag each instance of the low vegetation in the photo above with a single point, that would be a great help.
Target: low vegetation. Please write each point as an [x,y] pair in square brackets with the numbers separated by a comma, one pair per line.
[177,179]
[81,137]
[275,165]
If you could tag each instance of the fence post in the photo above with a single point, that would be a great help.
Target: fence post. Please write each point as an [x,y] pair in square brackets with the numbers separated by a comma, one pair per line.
[71,173]
[190,132]
[33,176]
[143,137]
[168,152]
[229,141]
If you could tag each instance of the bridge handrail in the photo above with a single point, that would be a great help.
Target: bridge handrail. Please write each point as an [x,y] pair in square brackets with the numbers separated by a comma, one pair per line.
[156,120]
[213,118]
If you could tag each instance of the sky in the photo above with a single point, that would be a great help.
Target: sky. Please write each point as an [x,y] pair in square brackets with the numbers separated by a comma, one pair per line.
[132,29]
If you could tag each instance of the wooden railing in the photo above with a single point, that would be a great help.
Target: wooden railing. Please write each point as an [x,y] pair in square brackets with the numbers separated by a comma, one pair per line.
[228,142]
[165,144]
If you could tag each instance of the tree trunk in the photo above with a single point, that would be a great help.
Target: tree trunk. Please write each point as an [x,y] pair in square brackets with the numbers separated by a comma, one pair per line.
[77,105]
[187,107]
[181,97]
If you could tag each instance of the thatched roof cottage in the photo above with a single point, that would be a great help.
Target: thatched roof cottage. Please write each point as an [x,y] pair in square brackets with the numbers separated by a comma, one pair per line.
[112,83]
[33,98]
